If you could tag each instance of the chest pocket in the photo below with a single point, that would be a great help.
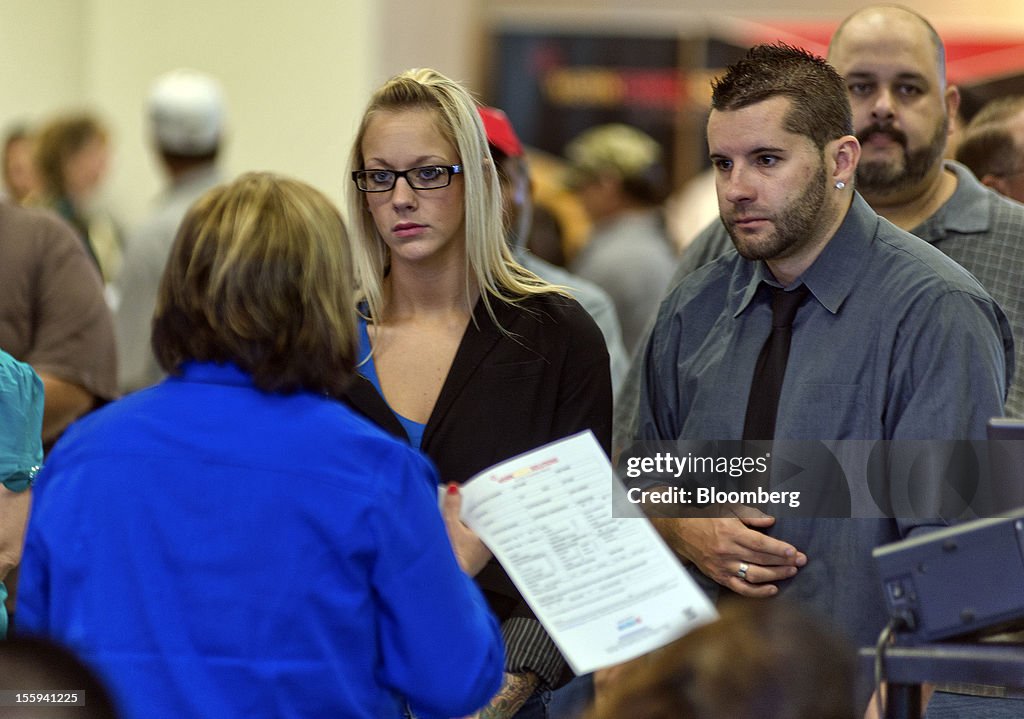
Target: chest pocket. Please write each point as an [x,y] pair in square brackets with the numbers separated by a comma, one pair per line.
[823,411]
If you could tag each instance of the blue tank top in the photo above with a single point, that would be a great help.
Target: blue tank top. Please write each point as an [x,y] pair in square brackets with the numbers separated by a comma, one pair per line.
[368,370]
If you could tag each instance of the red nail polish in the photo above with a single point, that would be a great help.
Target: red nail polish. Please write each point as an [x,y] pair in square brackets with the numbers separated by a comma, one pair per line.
[453,488]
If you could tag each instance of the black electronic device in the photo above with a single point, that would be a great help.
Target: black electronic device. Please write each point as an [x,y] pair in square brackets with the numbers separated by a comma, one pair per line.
[1006,462]
[964,580]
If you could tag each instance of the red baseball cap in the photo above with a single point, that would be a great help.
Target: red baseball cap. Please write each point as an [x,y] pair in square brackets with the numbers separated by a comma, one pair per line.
[500,133]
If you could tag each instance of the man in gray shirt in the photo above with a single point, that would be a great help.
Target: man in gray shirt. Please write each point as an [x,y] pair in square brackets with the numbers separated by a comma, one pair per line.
[514,173]
[893,341]
[895,70]
[186,117]
[617,173]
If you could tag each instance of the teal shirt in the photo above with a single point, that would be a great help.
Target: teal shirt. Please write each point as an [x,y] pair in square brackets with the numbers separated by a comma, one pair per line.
[21,443]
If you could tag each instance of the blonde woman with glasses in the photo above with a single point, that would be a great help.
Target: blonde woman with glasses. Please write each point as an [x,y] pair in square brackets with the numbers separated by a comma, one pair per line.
[464,353]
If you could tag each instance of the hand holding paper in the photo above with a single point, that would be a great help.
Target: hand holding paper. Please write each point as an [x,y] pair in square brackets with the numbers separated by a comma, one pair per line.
[470,552]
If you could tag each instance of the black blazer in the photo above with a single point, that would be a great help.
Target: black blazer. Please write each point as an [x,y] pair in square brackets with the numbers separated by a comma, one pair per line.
[544,378]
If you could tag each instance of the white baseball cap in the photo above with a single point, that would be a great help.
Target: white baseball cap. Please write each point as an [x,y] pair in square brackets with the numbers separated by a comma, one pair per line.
[186,108]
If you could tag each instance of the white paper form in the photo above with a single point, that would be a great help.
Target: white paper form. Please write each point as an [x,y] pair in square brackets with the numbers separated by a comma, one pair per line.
[606,589]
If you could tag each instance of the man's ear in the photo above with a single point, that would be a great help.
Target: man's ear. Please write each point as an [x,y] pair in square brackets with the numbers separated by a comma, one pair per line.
[844,154]
[996,183]
[952,100]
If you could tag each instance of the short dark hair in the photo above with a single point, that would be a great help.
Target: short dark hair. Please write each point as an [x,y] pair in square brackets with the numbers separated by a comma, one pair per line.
[988,150]
[260,275]
[35,663]
[987,147]
[177,159]
[820,106]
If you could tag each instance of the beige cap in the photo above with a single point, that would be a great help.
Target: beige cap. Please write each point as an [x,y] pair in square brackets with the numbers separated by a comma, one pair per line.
[614,148]
[186,108]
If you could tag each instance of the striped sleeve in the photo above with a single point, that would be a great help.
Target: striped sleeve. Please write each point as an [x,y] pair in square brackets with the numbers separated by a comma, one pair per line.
[528,648]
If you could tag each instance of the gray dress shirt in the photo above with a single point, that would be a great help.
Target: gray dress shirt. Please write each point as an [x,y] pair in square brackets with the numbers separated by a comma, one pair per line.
[631,258]
[897,342]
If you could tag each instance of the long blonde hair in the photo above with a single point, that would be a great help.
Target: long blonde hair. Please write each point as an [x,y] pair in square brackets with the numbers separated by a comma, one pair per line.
[489,263]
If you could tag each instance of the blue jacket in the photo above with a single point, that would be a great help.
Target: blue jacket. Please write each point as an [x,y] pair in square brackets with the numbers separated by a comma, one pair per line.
[214,550]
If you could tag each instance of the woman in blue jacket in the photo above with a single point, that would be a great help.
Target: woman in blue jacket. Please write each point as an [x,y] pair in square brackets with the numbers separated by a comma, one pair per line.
[235,542]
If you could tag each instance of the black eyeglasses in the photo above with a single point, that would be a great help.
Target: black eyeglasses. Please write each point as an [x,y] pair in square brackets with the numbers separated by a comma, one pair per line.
[430,177]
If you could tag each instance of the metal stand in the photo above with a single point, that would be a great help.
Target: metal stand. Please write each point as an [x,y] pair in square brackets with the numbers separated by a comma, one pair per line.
[906,668]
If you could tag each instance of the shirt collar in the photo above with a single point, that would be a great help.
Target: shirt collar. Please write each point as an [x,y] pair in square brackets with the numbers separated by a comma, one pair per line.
[195,180]
[834,273]
[213,373]
[967,211]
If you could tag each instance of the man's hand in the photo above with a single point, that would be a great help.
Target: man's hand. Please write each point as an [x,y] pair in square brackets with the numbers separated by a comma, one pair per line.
[724,548]
[471,553]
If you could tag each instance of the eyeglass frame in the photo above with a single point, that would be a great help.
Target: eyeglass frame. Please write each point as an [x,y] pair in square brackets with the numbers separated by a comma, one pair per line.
[452,171]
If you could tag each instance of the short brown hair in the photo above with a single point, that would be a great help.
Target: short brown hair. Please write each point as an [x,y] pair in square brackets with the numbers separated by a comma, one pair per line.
[987,146]
[760,660]
[58,141]
[260,275]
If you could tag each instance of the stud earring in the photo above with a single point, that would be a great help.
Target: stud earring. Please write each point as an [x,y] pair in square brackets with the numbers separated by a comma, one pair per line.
[840,184]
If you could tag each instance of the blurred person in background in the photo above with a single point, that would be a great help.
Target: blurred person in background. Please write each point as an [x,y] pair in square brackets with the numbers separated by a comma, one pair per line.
[617,172]
[691,208]
[53,316]
[159,520]
[758,660]
[514,175]
[546,239]
[21,181]
[992,146]
[560,222]
[72,159]
[185,116]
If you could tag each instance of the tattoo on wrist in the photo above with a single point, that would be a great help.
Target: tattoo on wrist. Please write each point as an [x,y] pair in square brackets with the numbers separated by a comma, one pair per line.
[516,689]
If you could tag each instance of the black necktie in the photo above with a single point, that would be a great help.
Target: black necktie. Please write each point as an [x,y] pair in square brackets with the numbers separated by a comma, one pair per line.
[763,404]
